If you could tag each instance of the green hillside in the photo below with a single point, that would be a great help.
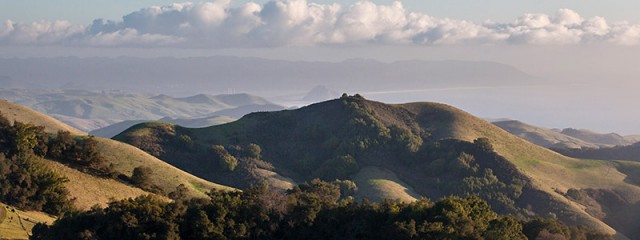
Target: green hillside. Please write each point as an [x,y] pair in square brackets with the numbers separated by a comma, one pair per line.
[434,149]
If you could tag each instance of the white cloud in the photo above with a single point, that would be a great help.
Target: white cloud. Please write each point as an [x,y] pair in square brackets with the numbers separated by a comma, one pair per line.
[41,32]
[300,23]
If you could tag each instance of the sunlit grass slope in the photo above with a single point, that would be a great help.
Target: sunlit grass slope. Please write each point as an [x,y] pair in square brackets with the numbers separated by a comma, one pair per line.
[377,184]
[16,224]
[91,190]
[13,111]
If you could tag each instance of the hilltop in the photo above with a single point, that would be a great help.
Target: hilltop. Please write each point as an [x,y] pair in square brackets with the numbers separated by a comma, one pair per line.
[399,151]
[13,112]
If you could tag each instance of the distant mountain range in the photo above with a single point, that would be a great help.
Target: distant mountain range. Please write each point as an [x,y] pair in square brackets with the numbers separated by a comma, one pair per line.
[402,151]
[87,110]
[565,138]
[247,74]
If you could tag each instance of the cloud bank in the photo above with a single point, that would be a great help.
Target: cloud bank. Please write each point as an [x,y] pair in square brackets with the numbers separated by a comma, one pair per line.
[300,23]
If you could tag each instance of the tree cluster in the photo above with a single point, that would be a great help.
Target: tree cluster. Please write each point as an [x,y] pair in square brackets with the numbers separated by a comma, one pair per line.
[314,210]
[24,181]
[79,152]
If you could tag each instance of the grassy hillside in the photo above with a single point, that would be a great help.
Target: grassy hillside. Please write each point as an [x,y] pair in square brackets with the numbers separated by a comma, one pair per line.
[377,184]
[433,149]
[13,111]
[125,158]
[16,224]
[557,171]
[549,171]
[90,190]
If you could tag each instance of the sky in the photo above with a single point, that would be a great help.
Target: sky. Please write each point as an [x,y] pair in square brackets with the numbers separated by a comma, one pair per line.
[83,11]
[266,24]
[592,44]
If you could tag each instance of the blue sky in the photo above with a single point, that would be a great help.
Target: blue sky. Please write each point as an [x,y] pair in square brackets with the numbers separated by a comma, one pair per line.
[84,11]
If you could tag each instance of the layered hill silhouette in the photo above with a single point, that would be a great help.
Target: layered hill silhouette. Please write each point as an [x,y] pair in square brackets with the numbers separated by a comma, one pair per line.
[401,151]
[566,138]
[90,190]
[602,139]
[88,110]
[114,129]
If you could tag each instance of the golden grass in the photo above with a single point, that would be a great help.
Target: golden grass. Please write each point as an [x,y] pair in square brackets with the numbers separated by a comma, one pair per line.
[125,158]
[16,224]
[13,111]
[377,184]
[90,190]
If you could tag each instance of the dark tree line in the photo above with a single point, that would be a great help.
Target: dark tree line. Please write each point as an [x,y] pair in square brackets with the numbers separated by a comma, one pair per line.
[314,210]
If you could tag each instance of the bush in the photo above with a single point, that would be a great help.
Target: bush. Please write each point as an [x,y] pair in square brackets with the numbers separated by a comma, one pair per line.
[141,176]
[225,160]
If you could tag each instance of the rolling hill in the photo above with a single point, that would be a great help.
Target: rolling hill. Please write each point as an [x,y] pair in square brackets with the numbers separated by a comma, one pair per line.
[114,129]
[566,138]
[91,190]
[401,151]
[542,136]
[602,139]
